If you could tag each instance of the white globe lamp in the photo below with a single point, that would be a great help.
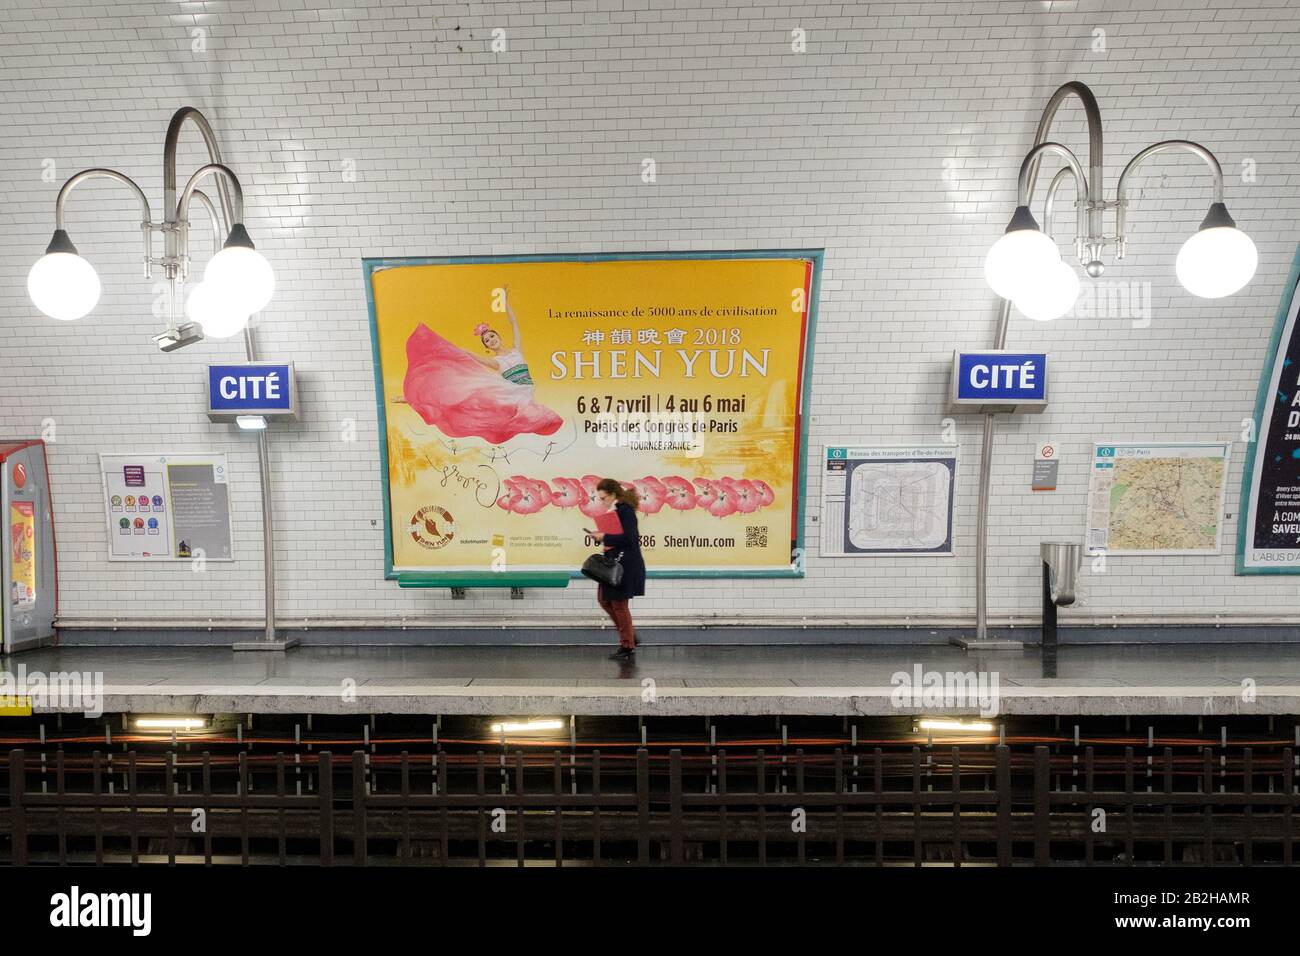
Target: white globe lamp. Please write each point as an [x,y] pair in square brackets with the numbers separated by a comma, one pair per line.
[214,313]
[1022,253]
[240,275]
[1219,259]
[1050,294]
[62,284]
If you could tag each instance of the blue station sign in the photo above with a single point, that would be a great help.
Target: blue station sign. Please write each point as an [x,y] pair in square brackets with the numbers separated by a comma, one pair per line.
[999,378]
[252,388]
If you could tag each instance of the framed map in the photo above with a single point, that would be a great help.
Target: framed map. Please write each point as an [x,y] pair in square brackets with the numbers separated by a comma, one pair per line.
[887,500]
[1156,498]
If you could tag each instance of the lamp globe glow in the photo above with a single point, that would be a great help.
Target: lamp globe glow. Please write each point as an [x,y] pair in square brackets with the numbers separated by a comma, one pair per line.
[1050,295]
[63,285]
[241,275]
[214,313]
[1023,251]
[1216,262]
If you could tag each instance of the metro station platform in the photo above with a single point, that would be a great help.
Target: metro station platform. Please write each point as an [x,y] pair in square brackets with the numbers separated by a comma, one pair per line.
[668,680]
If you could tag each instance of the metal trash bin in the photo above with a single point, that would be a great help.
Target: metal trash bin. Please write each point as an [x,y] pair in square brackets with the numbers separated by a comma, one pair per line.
[1061,561]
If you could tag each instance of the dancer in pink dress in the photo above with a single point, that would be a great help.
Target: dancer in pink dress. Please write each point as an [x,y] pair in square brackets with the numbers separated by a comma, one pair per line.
[464,395]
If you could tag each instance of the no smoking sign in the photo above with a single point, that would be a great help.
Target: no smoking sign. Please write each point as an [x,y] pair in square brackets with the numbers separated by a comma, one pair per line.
[1046,465]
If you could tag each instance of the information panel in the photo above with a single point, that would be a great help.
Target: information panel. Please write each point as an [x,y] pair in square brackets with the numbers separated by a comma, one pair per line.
[1156,498]
[167,507]
[1268,539]
[888,500]
[509,388]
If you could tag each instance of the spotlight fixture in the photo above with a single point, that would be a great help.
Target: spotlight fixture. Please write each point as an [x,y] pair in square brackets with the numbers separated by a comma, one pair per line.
[238,280]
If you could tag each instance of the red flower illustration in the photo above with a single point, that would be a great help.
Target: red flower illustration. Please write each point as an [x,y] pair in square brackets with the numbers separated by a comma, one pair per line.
[652,494]
[742,493]
[707,493]
[679,495]
[535,495]
[725,501]
[567,493]
[720,496]
[593,506]
[511,497]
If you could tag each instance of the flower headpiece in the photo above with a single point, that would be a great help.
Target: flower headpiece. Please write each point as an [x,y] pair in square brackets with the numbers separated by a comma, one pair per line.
[481,328]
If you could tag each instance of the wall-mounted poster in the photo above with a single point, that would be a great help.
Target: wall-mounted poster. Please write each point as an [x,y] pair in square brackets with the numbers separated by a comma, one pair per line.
[167,507]
[888,500]
[1268,536]
[22,558]
[508,387]
[1156,498]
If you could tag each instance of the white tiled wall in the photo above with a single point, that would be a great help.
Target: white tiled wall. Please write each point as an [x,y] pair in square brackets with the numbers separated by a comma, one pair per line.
[893,142]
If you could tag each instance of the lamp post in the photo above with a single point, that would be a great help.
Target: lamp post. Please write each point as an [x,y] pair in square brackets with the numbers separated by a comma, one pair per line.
[1024,267]
[237,282]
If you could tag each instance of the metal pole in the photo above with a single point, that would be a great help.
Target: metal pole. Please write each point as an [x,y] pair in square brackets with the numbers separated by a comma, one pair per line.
[172,210]
[1029,179]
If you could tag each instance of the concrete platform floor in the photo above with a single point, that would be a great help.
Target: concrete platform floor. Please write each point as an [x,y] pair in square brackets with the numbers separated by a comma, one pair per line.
[681,681]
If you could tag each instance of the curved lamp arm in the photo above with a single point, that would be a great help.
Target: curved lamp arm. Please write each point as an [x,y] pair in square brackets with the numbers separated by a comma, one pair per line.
[183,206]
[179,119]
[1030,166]
[218,237]
[146,224]
[1093,114]
[1057,181]
[1196,149]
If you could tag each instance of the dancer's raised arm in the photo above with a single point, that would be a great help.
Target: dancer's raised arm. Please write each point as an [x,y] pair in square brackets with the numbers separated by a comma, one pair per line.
[510,313]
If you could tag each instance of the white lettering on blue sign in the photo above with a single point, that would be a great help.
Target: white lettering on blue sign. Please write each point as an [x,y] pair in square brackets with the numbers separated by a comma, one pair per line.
[253,389]
[250,386]
[1000,377]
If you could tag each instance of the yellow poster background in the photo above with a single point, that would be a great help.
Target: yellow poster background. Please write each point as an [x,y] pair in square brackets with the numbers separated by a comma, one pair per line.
[683,375]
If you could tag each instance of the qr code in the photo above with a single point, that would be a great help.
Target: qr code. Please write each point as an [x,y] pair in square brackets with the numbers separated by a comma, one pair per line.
[755,536]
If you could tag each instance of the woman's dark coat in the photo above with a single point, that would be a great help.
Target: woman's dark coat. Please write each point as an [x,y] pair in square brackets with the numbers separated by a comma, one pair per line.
[629,542]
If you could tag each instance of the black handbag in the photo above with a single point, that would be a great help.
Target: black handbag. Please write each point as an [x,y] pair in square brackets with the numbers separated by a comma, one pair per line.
[604,568]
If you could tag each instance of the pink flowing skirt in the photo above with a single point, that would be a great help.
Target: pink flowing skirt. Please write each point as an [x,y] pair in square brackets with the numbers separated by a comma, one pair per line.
[462,398]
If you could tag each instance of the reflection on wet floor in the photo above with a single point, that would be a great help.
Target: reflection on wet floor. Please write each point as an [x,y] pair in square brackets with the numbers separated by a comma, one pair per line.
[817,665]
[1049,652]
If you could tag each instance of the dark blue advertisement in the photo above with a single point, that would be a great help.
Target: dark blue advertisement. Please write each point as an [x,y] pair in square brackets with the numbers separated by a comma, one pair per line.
[1268,538]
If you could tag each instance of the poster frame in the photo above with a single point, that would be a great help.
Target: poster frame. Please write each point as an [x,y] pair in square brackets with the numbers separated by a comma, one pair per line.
[1262,395]
[181,458]
[1162,553]
[371,265]
[885,446]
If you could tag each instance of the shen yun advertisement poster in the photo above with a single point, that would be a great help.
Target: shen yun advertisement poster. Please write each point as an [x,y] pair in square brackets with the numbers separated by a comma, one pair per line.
[508,388]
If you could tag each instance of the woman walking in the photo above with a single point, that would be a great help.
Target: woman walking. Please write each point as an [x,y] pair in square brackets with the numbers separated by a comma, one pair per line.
[615,600]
